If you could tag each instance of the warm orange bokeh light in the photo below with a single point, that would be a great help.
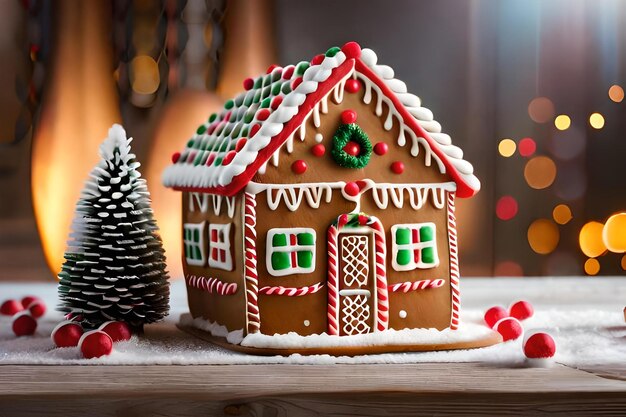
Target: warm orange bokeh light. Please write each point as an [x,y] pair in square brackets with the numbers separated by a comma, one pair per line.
[596,120]
[590,239]
[541,109]
[592,266]
[144,74]
[616,93]
[80,106]
[507,147]
[562,122]
[543,236]
[540,172]
[614,233]
[623,262]
[562,214]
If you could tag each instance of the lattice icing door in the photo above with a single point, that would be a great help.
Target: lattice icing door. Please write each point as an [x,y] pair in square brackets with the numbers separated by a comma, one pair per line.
[356,302]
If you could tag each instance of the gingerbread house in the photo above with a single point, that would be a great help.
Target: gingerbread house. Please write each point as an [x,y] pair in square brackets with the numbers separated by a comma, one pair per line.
[320,200]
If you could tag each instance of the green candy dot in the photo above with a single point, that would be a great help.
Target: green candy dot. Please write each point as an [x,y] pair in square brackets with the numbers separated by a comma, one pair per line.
[248,100]
[301,67]
[286,88]
[280,260]
[190,143]
[404,257]
[218,161]
[266,103]
[305,259]
[333,51]
[428,255]
[403,236]
[229,104]
[258,83]
[201,129]
[276,89]
[212,117]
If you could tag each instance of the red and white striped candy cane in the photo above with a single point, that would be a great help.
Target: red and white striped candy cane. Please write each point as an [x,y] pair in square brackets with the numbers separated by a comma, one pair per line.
[382,310]
[454,264]
[251,276]
[292,291]
[417,285]
[211,285]
[333,292]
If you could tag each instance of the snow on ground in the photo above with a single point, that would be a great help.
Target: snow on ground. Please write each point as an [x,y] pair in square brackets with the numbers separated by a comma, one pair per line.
[584,315]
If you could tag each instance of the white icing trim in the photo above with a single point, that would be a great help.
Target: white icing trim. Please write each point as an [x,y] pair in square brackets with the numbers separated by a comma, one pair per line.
[395,247]
[201,201]
[348,293]
[271,249]
[224,245]
[200,244]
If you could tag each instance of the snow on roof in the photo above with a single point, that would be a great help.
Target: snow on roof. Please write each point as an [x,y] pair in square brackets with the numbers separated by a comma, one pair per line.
[227,151]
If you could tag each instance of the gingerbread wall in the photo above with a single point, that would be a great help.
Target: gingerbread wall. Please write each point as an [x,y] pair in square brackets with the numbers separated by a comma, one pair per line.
[227,310]
[424,308]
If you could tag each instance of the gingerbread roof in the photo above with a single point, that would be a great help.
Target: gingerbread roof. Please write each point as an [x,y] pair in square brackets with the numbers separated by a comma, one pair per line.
[232,146]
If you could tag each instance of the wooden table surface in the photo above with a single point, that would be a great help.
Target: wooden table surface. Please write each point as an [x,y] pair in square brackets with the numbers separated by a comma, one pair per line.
[337,390]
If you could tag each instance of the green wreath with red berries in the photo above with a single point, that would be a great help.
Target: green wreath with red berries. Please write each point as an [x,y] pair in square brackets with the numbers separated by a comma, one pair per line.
[351,133]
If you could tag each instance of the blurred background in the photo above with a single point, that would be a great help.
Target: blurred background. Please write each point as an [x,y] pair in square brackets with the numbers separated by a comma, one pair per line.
[533,91]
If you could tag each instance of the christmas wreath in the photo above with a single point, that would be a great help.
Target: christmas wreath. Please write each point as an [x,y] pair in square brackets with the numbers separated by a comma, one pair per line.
[351,133]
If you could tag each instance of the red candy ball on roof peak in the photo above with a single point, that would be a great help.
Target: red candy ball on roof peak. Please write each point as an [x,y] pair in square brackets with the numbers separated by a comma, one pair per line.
[248,83]
[352,50]
[175,157]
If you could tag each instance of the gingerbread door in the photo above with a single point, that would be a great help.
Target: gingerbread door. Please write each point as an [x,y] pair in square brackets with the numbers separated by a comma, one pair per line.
[357,295]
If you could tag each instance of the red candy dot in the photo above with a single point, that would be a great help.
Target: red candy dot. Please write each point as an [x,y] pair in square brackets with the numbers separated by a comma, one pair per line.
[397,167]
[175,157]
[362,220]
[210,160]
[521,310]
[318,150]
[540,345]
[248,83]
[254,129]
[271,68]
[510,328]
[506,208]
[527,147]
[228,158]
[352,189]
[317,59]
[276,102]
[295,83]
[240,144]
[348,117]
[381,148]
[352,148]
[494,314]
[352,86]
[352,50]
[262,114]
[299,167]
[288,72]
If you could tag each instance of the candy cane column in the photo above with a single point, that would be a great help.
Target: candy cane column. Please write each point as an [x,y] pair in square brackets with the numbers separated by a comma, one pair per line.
[251,276]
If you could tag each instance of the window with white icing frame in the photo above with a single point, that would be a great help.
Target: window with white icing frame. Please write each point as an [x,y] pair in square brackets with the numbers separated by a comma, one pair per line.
[414,246]
[193,239]
[220,256]
[290,251]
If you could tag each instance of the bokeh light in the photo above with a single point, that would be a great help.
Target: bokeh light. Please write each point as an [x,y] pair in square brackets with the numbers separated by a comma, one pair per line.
[506,208]
[616,93]
[543,236]
[540,172]
[592,266]
[508,269]
[541,109]
[562,122]
[590,239]
[596,120]
[614,233]
[562,263]
[144,75]
[567,145]
[506,147]
[527,147]
[623,262]
[562,214]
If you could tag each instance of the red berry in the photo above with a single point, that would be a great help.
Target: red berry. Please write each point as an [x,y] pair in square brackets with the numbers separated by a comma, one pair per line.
[352,189]
[24,324]
[37,309]
[397,167]
[11,307]
[26,301]
[352,85]
[248,83]
[352,50]
[118,330]
[348,117]
[318,150]
[317,59]
[66,334]
[521,310]
[95,343]
[299,166]
[381,148]
[539,345]
[175,157]
[510,328]
[228,158]
[352,148]
[494,314]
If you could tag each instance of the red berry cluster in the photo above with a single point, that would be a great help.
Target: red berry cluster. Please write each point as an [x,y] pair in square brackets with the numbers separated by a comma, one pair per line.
[93,343]
[24,313]
[508,324]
